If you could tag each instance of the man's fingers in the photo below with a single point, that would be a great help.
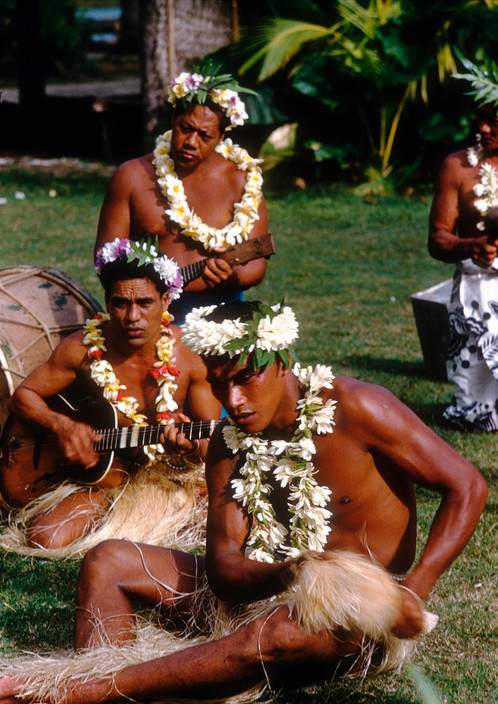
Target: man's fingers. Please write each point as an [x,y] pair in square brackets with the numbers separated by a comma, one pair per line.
[216,271]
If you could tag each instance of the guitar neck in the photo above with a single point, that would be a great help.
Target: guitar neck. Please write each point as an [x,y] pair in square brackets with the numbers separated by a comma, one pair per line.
[138,436]
[241,253]
[193,271]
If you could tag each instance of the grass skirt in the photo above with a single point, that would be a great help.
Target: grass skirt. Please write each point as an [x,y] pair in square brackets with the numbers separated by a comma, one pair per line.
[153,506]
[347,591]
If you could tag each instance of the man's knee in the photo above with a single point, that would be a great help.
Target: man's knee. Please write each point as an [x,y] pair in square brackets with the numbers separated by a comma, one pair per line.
[101,564]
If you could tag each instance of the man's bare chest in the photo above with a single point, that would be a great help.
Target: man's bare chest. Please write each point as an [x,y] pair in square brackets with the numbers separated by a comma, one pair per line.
[212,201]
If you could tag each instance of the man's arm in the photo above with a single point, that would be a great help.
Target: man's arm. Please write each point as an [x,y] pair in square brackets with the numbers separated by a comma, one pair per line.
[390,430]
[28,402]
[199,401]
[444,243]
[114,219]
[232,576]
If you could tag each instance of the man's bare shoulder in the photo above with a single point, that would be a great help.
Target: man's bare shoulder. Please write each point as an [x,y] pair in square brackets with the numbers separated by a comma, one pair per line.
[69,357]
[187,360]
[220,460]
[360,402]
[219,168]
[133,171]
[73,351]
[456,163]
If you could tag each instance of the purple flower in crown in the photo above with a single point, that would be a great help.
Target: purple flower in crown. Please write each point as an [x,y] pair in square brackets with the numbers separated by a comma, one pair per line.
[117,249]
[194,81]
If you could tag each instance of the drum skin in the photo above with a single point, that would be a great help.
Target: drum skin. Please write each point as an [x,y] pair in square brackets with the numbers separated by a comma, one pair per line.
[39,306]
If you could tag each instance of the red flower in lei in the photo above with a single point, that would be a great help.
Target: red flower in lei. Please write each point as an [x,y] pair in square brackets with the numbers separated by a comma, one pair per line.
[164,369]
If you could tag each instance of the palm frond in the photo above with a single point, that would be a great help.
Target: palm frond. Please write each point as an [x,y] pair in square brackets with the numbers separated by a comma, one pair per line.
[282,40]
[363,18]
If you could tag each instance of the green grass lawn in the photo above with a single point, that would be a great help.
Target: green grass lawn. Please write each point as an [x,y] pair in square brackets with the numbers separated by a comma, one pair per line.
[347,266]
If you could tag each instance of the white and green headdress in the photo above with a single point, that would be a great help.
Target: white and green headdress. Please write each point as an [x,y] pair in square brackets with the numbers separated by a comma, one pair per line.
[197,88]
[264,332]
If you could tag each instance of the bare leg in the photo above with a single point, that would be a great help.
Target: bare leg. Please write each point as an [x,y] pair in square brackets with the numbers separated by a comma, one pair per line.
[226,666]
[72,518]
[118,571]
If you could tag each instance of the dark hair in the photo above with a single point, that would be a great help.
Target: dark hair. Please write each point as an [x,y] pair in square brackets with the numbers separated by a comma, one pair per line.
[120,270]
[235,310]
[182,107]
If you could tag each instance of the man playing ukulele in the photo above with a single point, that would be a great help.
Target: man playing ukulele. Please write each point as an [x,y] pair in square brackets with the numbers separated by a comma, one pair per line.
[198,192]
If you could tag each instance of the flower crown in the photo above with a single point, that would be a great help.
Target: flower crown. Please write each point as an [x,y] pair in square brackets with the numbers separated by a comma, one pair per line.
[484,81]
[269,333]
[222,90]
[144,253]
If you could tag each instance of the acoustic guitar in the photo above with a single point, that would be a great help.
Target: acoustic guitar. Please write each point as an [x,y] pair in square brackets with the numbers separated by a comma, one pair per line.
[241,253]
[31,462]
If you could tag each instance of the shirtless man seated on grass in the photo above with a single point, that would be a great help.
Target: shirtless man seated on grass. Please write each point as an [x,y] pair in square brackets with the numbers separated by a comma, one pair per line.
[135,359]
[308,471]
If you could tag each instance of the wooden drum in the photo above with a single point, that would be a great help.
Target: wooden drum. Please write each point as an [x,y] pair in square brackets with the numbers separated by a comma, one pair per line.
[39,306]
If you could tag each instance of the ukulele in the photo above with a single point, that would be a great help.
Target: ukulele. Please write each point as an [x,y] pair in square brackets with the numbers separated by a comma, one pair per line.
[31,462]
[241,253]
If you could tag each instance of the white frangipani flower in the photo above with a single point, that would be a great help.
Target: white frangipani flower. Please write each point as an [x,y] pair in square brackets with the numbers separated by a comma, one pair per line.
[487,189]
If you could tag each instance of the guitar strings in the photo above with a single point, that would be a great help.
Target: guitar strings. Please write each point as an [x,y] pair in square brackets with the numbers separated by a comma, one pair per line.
[196,430]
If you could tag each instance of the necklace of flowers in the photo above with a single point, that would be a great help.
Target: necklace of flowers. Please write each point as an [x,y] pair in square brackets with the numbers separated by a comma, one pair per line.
[291,465]
[163,371]
[487,189]
[245,212]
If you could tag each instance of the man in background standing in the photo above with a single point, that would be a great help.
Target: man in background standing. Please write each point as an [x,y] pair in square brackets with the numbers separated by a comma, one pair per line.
[461,231]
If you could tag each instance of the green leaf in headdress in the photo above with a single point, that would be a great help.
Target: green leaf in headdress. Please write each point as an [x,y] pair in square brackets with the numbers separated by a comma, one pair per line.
[484,81]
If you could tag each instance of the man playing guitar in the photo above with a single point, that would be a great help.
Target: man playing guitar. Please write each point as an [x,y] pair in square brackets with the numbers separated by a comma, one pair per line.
[135,359]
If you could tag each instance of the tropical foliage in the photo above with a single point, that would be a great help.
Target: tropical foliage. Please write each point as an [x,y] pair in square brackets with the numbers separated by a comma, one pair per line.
[374,74]
[62,35]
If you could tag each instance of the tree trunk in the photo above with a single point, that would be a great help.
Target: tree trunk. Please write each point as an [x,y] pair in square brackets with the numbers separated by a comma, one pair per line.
[154,63]
[176,33]
[30,63]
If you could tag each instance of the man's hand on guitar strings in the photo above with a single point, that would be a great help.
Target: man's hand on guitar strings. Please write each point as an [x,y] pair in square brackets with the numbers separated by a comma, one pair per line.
[76,441]
[178,442]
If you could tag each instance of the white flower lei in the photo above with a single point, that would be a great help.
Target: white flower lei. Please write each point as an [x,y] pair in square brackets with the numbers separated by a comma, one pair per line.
[487,189]
[291,465]
[102,373]
[245,212]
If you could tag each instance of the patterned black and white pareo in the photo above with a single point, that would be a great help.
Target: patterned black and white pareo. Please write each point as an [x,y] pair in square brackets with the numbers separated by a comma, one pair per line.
[472,362]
